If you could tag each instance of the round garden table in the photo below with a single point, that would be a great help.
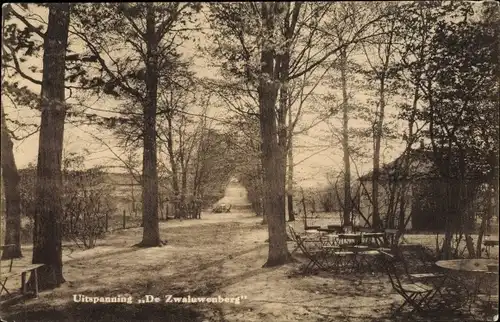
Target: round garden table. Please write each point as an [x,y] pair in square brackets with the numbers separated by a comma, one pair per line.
[477,270]
[477,265]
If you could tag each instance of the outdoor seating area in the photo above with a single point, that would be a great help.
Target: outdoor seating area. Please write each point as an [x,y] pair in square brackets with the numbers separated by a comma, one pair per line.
[331,250]
[253,161]
[425,284]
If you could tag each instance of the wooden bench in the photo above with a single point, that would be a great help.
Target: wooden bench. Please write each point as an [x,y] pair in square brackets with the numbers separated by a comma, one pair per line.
[4,277]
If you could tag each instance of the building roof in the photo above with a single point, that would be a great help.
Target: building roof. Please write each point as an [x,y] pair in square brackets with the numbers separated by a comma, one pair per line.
[422,166]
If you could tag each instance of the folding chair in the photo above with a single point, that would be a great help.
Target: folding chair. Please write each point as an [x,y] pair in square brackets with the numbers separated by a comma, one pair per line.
[349,255]
[292,237]
[316,257]
[306,237]
[417,295]
[340,259]
[449,291]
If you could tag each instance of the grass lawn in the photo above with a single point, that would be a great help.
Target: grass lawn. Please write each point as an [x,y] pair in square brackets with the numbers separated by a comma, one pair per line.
[219,255]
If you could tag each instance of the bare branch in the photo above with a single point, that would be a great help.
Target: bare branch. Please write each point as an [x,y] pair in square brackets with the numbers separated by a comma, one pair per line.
[17,66]
[27,23]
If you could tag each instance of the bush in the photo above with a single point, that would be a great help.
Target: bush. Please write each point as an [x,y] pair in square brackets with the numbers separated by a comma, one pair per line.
[328,202]
[86,201]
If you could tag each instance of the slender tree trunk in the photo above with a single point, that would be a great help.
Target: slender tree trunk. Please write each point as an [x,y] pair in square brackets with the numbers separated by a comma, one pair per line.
[406,164]
[198,175]
[261,192]
[291,214]
[402,210]
[274,176]
[378,130]
[488,214]
[47,248]
[285,135]
[151,232]
[184,170]
[495,187]
[11,179]
[173,165]
[376,155]
[282,126]
[345,140]
[132,192]
[450,226]
[290,24]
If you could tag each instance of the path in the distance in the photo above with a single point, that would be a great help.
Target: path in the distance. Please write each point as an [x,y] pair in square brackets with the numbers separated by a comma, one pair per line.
[235,195]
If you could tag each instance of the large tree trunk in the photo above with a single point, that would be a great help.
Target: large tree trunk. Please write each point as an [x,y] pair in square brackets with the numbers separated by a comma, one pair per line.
[11,180]
[274,176]
[47,248]
[151,231]
[345,140]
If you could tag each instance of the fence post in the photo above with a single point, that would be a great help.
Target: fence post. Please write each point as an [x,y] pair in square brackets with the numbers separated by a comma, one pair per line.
[106,223]
[166,211]
[124,220]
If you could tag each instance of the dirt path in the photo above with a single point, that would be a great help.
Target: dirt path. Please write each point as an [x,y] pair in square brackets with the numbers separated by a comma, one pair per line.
[235,195]
[189,264]
[219,255]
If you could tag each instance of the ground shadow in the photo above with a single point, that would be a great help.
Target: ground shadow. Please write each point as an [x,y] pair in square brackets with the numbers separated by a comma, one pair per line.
[74,312]
[203,280]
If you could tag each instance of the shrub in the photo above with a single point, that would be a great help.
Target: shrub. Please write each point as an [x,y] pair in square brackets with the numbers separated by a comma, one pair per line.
[86,201]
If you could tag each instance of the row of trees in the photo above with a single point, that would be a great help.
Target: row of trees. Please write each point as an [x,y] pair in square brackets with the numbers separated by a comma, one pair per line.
[195,158]
[400,56]
[274,59]
[434,65]
[131,53]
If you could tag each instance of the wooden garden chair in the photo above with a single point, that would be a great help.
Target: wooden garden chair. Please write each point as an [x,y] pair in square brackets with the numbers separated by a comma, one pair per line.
[415,294]
[315,255]
[451,293]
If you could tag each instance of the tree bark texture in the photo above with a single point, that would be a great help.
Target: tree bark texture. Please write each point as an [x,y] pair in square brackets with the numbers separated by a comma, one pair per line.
[48,213]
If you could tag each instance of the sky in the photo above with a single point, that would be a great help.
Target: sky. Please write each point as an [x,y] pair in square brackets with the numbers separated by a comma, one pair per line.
[316,152]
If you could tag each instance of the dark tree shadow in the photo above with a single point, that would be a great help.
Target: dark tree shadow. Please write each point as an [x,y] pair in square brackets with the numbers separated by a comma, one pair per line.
[110,312]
